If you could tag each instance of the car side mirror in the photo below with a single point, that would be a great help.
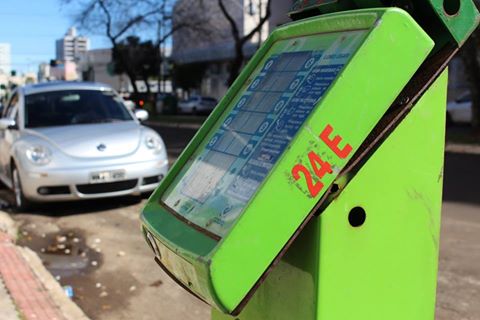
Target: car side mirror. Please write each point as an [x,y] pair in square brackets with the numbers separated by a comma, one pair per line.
[6,123]
[142,115]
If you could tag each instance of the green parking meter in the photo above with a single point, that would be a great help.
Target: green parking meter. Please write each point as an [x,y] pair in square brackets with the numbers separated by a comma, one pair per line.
[313,190]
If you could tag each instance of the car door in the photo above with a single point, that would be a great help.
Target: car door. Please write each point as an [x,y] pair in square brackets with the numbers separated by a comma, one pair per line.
[8,136]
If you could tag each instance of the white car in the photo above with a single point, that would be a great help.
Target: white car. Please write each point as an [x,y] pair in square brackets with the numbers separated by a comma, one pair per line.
[76,140]
[197,104]
[460,110]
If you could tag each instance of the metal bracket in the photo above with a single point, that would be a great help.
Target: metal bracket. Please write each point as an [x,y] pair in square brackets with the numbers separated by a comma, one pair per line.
[444,20]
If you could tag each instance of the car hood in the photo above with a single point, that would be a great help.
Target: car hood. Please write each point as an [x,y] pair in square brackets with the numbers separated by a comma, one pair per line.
[93,140]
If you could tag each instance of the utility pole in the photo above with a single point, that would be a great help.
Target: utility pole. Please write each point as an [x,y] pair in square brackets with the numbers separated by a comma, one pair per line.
[160,46]
[260,19]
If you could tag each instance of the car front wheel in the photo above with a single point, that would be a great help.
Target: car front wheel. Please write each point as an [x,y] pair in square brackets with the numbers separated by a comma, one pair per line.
[20,202]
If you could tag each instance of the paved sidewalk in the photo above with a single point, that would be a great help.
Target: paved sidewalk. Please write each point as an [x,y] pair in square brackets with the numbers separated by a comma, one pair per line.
[27,290]
[462,148]
[7,307]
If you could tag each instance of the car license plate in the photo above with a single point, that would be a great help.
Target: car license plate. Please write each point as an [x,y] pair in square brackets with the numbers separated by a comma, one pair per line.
[107,176]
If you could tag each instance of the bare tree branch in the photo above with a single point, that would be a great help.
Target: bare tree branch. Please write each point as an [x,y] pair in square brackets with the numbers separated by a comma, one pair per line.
[108,24]
[240,41]
[118,19]
[260,24]
[136,20]
[233,23]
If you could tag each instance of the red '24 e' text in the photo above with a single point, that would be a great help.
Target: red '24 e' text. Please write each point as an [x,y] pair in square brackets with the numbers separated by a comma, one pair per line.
[319,166]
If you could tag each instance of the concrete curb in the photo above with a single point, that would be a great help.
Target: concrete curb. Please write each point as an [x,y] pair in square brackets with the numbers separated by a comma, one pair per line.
[26,291]
[7,225]
[462,148]
[174,125]
[67,307]
[7,307]
[32,289]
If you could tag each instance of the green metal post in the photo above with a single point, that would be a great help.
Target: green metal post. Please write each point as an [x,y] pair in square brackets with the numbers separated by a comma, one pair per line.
[386,267]
[313,191]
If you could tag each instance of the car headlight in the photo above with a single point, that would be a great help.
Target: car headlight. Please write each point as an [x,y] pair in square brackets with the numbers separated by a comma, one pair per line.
[38,155]
[154,143]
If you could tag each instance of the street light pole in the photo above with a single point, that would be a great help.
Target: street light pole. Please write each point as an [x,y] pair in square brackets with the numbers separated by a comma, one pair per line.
[160,56]
[259,21]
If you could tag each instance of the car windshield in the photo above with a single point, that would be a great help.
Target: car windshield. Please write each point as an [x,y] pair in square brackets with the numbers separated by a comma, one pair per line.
[69,107]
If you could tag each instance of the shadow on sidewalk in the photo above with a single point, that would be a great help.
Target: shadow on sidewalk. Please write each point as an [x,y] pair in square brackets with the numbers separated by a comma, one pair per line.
[61,209]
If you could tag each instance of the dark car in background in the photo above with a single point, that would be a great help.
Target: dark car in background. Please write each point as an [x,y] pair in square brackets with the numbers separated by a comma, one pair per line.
[460,110]
[166,103]
[197,105]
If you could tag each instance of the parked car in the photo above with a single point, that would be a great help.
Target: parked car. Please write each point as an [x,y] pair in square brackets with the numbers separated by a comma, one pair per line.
[460,110]
[76,140]
[166,103]
[197,104]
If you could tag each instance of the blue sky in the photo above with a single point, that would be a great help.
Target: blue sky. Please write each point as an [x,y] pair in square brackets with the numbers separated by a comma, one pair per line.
[31,27]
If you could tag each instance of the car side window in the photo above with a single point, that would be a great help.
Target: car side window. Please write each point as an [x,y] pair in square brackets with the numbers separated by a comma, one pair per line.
[10,110]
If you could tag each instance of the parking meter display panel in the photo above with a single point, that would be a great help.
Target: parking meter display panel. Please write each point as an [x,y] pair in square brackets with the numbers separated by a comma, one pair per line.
[226,170]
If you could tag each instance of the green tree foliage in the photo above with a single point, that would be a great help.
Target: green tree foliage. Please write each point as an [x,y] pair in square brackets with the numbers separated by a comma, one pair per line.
[189,76]
[142,58]
[119,19]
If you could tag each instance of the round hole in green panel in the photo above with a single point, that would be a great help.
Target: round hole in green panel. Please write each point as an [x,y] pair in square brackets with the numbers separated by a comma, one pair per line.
[335,188]
[451,7]
[357,217]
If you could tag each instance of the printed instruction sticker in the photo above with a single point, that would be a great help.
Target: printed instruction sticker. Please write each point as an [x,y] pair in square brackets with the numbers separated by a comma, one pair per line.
[226,171]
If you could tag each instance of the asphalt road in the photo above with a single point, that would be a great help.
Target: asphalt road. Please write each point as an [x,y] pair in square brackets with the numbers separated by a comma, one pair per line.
[96,247]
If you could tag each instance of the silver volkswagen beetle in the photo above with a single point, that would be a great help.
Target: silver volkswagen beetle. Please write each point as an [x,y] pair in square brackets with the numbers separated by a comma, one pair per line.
[76,140]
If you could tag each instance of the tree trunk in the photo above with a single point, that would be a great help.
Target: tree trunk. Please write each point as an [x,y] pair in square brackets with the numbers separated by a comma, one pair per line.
[472,69]
[237,63]
[128,71]
[132,79]
[240,40]
[145,80]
